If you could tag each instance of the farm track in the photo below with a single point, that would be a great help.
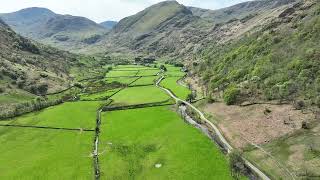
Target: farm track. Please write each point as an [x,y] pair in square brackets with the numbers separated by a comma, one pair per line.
[47,127]
[228,147]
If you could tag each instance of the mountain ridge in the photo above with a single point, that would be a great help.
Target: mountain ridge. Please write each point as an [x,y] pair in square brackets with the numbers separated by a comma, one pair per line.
[62,31]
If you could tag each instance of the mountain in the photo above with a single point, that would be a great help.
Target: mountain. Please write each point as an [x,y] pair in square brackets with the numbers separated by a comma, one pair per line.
[25,65]
[62,31]
[238,11]
[174,30]
[109,24]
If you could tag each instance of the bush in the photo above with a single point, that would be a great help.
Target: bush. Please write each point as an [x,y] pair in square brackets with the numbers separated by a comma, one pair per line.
[162,67]
[2,90]
[231,94]
[190,97]
[237,164]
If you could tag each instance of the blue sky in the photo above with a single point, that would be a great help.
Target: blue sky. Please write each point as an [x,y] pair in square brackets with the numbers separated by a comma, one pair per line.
[101,10]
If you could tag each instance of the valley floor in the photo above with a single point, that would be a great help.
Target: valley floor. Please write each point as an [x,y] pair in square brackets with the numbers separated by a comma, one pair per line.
[140,136]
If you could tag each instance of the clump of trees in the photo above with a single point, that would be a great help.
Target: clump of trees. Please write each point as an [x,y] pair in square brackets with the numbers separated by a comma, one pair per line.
[231,94]
[39,89]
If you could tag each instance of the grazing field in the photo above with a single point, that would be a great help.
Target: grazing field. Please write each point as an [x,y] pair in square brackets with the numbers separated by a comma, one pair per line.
[67,115]
[122,80]
[178,90]
[148,72]
[134,141]
[145,143]
[28,153]
[140,95]
[115,73]
[98,96]
[145,81]
[174,71]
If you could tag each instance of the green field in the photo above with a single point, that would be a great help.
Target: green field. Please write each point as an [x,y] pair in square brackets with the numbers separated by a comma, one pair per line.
[121,73]
[122,80]
[140,95]
[179,91]
[98,96]
[174,71]
[145,80]
[131,143]
[148,72]
[134,141]
[67,115]
[28,153]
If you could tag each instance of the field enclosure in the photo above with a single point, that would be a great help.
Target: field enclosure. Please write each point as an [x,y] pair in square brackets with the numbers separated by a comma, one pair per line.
[147,139]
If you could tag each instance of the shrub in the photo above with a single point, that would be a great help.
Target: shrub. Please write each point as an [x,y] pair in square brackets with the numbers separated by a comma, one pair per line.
[162,67]
[298,105]
[305,125]
[237,164]
[231,94]
[190,97]
[2,90]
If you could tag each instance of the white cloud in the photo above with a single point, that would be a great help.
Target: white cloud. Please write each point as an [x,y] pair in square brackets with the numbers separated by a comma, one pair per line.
[101,10]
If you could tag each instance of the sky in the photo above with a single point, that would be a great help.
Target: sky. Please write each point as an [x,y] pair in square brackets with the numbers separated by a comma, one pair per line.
[102,10]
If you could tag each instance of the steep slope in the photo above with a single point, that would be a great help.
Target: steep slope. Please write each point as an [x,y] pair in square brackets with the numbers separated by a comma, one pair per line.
[31,67]
[109,24]
[171,29]
[63,31]
[278,62]
[238,11]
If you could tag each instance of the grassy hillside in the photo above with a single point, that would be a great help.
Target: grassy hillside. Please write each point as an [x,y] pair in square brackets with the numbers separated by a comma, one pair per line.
[63,31]
[178,32]
[30,72]
[279,62]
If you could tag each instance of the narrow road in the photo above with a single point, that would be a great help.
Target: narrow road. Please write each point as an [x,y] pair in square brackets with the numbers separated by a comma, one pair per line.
[217,131]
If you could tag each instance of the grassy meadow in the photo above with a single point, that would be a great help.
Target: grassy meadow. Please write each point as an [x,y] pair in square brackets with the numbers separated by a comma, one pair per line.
[134,141]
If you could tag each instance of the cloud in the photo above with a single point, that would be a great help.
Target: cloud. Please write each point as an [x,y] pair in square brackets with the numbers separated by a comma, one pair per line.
[101,10]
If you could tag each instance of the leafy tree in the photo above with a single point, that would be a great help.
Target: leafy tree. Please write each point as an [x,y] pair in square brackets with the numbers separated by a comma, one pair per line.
[162,67]
[231,94]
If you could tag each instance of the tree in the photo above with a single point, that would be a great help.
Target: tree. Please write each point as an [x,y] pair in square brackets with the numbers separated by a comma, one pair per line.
[190,97]
[231,94]
[162,67]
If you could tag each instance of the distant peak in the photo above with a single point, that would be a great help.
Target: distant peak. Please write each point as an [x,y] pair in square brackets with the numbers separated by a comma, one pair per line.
[35,11]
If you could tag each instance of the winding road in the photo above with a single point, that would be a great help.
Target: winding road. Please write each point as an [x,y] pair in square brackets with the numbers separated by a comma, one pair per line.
[229,148]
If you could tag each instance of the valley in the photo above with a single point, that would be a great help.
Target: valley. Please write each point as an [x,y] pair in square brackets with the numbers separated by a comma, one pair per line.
[138,130]
[173,91]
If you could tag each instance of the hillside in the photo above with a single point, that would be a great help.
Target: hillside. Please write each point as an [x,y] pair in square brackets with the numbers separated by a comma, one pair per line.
[238,11]
[28,69]
[62,31]
[173,30]
[109,24]
[280,60]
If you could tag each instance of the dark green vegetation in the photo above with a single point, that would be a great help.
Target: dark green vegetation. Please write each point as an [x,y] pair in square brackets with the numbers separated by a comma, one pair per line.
[279,62]
[63,31]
